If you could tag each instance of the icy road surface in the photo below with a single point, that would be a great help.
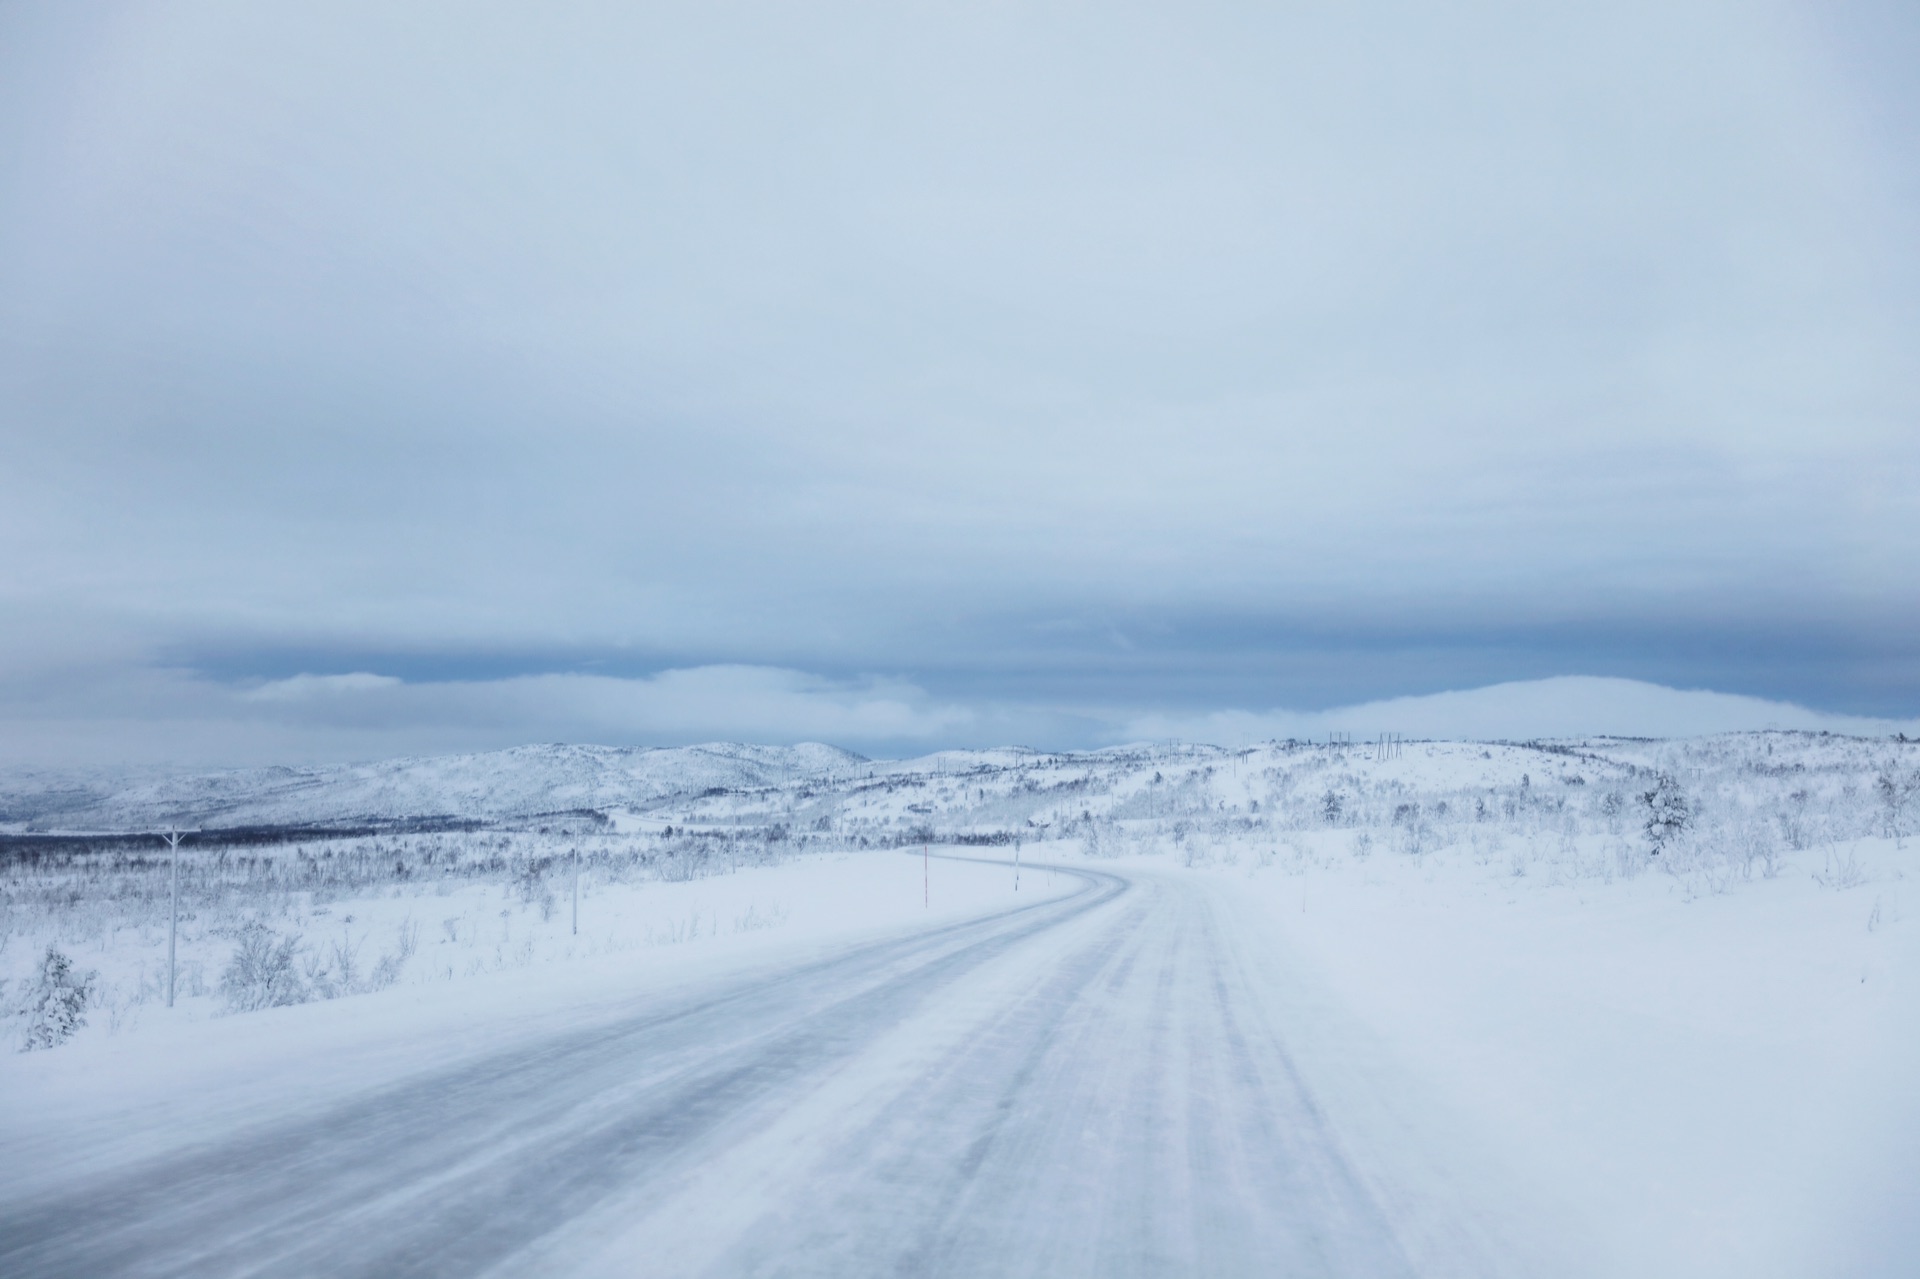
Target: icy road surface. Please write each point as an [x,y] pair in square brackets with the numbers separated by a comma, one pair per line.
[1103,1083]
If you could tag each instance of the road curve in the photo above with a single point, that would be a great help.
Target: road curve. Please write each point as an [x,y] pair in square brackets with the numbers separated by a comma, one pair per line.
[1090,1085]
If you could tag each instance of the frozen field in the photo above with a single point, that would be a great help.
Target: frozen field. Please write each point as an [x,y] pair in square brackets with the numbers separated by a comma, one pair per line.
[1434,1009]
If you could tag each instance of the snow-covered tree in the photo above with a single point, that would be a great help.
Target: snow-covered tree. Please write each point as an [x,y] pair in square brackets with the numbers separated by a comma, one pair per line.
[56,1002]
[1668,812]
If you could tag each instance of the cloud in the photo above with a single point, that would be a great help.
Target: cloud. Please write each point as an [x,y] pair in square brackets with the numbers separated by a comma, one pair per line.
[748,703]
[301,688]
[177,717]
[1566,706]
[1050,361]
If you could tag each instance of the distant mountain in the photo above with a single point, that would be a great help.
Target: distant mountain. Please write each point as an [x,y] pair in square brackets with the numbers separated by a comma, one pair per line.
[493,785]
[1564,706]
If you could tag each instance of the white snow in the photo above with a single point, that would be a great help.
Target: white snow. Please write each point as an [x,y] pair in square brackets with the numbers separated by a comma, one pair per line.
[1719,1085]
[1698,1064]
[190,1074]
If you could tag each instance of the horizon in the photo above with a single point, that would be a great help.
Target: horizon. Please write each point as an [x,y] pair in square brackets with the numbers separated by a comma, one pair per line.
[1476,716]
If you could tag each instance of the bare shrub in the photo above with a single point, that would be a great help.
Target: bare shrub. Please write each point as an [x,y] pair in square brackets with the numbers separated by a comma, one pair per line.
[335,972]
[686,860]
[1412,832]
[387,970]
[1612,805]
[1840,870]
[1760,848]
[1792,817]
[756,919]
[530,882]
[1896,793]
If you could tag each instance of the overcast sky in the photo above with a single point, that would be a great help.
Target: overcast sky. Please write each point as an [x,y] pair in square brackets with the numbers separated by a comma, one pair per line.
[381,377]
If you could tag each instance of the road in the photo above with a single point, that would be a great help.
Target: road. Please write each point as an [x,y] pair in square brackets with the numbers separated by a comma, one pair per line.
[1096,1084]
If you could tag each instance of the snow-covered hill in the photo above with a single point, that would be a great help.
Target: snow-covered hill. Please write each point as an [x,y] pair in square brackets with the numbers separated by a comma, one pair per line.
[494,785]
[1789,780]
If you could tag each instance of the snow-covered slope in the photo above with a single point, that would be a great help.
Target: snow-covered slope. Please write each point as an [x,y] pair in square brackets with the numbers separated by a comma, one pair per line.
[520,782]
[1788,779]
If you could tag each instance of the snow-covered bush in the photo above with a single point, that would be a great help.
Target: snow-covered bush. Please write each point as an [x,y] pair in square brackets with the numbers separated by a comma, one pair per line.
[263,972]
[56,1002]
[1896,792]
[1413,833]
[531,883]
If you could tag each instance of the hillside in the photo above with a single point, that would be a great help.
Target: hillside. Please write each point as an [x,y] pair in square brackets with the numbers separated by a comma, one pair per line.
[494,785]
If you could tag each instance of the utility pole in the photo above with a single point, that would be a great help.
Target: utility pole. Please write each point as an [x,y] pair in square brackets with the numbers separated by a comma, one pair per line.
[173,912]
[1016,865]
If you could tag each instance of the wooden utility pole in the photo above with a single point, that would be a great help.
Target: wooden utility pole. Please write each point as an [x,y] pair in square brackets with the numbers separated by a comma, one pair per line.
[173,912]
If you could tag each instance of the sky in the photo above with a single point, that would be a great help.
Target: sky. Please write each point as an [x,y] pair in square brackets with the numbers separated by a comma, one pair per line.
[385,378]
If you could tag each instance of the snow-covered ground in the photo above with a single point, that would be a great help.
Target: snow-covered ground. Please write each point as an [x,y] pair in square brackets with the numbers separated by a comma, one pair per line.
[1695,1085]
[456,931]
[189,1074]
[1527,1041]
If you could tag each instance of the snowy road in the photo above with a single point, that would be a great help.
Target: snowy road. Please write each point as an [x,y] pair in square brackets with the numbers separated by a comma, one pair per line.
[1101,1083]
